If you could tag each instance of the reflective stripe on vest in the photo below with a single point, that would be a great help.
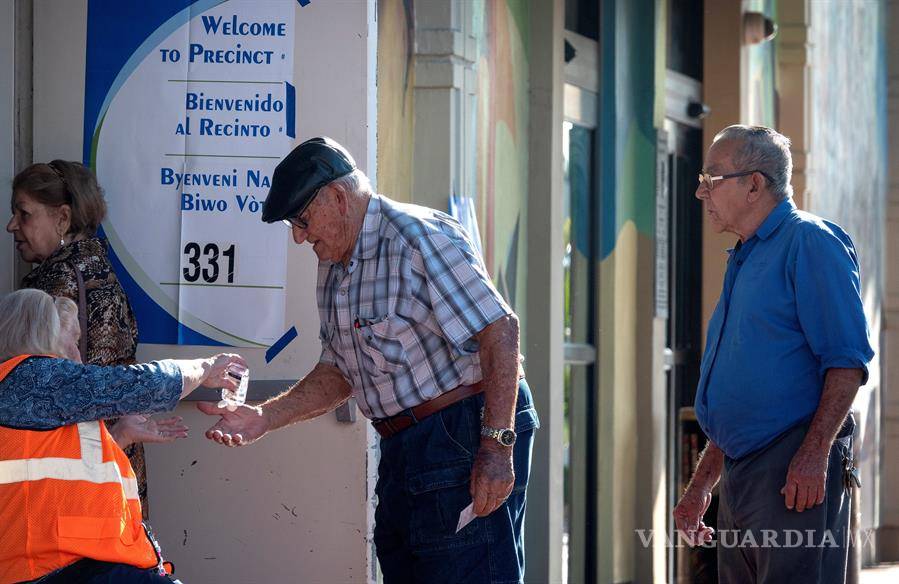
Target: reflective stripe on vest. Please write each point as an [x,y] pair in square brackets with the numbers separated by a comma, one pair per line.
[90,467]
[64,502]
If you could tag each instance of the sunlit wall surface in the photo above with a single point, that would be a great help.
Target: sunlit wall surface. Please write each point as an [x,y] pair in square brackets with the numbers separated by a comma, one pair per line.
[849,167]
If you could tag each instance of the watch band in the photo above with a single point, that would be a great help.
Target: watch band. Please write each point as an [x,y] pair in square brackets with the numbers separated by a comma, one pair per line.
[505,436]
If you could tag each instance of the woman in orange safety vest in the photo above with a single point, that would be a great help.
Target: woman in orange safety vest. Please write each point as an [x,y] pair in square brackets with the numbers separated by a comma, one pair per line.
[69,509]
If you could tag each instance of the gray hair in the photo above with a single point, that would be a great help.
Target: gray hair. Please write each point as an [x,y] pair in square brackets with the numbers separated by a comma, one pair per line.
[31,321]
[765,150]
[68,313]
[356,183]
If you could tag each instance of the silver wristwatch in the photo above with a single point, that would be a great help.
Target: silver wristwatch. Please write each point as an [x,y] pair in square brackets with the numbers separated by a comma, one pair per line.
[505,436]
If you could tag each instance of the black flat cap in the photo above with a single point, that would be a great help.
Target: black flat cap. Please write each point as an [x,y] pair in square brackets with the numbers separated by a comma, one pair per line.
[310,166]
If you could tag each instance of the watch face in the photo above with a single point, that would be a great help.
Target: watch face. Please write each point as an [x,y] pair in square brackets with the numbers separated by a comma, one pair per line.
[507,437]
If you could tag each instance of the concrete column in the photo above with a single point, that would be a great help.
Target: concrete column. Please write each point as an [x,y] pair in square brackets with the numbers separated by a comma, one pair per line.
[23,114]
[442,58]
[888,532]
[794,76]
[7,134]
[543,314]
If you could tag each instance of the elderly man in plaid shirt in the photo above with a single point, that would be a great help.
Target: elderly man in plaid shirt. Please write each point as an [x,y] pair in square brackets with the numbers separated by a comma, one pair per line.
[413,328]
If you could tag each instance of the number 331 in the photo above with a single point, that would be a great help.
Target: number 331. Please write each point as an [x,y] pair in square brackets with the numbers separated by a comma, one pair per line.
[195,256]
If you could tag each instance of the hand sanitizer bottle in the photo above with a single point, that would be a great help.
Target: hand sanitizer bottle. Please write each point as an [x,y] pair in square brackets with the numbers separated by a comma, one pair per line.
[233,398]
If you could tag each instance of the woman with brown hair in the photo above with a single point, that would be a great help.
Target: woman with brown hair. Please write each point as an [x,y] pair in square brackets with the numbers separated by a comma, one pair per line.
[57,208]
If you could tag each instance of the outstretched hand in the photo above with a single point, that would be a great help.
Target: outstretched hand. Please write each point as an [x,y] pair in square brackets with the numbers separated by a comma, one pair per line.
[243,426]
[130,429]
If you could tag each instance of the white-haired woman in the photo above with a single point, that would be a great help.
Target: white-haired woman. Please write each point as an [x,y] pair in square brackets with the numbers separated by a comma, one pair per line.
[68,495]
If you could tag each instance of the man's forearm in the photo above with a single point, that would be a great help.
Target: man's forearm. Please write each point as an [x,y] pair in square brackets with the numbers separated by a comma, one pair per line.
[840,387]
[499,353]
[320,392]
[708,470]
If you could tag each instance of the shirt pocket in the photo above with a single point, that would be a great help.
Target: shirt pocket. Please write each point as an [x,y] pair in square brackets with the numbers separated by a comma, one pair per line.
[381,339]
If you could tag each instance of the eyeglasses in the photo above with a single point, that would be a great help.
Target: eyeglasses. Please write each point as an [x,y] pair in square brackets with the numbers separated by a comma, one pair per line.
[708,181]
[298,220]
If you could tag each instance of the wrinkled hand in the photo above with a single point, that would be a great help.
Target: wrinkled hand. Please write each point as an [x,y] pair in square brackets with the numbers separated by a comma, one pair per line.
[806,479]
[492,478]
[217,376]
[688,516]
[130,429]
[243,426]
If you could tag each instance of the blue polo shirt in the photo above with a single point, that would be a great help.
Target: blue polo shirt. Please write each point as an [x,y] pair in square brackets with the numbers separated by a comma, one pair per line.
[790,310]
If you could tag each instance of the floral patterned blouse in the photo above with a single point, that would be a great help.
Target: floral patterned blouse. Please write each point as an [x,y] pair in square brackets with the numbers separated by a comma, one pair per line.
[42,393]
[111,327]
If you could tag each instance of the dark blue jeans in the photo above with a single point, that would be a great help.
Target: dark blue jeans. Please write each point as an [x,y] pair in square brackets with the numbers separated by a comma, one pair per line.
[423,485]
[89,571]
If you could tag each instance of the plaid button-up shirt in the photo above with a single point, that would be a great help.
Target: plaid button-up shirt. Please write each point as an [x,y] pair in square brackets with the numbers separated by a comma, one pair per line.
[399,319]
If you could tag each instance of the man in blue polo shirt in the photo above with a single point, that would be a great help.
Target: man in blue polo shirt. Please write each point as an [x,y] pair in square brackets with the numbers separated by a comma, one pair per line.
[786,351]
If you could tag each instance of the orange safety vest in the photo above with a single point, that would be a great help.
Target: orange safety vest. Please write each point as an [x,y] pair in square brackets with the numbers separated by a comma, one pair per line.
[66,494]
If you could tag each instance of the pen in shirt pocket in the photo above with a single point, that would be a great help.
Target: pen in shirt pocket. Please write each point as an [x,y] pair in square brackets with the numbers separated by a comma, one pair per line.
[360,322]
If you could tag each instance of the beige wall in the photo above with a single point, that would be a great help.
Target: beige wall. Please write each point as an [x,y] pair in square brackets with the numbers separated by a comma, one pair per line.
[294,507]
[721,92]
[288,509]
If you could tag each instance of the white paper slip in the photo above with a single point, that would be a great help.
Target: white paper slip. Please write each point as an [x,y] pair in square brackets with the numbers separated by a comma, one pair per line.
[465,517]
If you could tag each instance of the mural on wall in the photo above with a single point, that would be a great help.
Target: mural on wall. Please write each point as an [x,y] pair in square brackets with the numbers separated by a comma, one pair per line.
[627,161]
[496,118]
[626,127]
[501,156]
[396,78]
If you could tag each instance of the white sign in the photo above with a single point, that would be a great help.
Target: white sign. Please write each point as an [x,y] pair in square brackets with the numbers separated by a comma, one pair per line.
[185,145]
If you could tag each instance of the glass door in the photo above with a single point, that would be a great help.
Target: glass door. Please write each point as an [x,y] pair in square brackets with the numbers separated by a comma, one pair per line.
[580,230]
[579,279]
[580,211]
